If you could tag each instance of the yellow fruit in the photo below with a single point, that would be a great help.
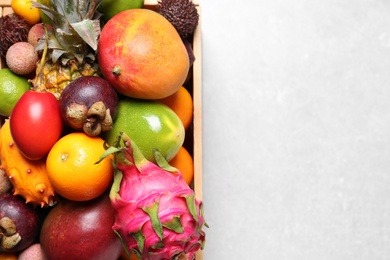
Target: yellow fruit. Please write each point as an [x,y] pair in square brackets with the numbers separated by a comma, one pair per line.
[72,169]
[25,10]
[12,87]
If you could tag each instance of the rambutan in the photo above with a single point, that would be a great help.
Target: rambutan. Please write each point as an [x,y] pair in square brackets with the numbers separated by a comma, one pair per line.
[13,29]
[182,14]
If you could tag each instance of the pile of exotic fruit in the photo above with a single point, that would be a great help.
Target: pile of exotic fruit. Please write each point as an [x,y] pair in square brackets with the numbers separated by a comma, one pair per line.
[96,109]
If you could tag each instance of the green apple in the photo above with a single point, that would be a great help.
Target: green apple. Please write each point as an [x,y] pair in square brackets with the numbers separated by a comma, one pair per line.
[109,8]
[150,124]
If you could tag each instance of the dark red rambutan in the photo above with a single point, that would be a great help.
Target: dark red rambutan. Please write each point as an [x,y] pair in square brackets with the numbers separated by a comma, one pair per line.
[13,29]
[182,14]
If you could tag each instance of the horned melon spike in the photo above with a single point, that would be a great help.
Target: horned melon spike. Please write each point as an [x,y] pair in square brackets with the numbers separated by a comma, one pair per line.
[29,178]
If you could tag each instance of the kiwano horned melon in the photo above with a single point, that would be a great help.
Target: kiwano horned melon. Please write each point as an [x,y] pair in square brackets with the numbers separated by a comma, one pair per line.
[29,178]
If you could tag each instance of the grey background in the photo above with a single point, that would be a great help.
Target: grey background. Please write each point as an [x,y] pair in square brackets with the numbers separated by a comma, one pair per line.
[296,116]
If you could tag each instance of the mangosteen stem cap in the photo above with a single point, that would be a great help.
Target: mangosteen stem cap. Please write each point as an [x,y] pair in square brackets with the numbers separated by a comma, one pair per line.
[93,121]
[9,237]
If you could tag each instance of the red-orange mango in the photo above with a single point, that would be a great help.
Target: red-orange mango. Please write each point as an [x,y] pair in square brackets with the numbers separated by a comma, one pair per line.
[141,54]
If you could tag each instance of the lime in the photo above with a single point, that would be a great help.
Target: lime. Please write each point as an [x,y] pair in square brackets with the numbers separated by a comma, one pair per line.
[109,8]
[12,87]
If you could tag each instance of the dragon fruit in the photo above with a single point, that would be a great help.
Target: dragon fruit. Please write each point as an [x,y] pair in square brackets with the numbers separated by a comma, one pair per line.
[157,214]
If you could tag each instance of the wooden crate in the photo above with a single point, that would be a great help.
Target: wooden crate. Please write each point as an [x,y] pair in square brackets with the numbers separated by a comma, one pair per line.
[196,86]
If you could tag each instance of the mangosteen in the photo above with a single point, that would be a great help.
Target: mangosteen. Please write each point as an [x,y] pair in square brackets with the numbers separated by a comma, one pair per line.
[19,223]
[89,104]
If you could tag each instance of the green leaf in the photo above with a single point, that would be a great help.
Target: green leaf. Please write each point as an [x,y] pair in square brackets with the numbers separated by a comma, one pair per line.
[152,211]
[190,199]
[158,245]
[140,238]
[122,242]
[88,31]
[139,158]
[201,213]
[45,9]
[174,225]
[110,150]
[162,162]
[115,187]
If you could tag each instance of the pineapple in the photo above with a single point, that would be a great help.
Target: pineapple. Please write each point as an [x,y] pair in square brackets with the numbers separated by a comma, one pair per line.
[69,45]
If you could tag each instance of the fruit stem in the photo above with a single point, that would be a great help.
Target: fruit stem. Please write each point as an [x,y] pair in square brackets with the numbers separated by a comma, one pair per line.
[116,70]
[42,62]
[38,83]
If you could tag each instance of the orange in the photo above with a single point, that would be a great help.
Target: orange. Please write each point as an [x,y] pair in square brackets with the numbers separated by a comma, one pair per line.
[124,256]
[23,8]
[72,168]
[181,103]
[8,256]
[184,163]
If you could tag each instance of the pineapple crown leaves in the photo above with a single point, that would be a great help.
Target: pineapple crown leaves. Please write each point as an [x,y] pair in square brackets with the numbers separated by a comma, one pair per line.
[75,24]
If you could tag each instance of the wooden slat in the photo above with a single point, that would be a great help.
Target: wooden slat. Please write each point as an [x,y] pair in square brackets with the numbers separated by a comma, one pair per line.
[197,118]
[197,99]
[5,2]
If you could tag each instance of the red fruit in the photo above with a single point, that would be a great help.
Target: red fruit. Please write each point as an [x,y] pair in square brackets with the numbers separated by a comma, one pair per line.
[141,54]
[80,230]
[36,123]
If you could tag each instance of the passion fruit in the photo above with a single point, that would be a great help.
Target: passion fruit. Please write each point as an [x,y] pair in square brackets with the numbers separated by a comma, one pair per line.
[151,125]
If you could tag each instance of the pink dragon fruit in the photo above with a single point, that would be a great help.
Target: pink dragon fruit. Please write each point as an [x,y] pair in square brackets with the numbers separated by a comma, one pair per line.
[157,214]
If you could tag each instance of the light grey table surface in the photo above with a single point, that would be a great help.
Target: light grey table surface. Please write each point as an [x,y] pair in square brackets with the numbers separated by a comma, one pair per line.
[296,129]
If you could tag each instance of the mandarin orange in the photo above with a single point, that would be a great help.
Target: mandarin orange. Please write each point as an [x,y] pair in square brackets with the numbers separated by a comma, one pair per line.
[24,9]
[184,163]
[72,168]
[181,103]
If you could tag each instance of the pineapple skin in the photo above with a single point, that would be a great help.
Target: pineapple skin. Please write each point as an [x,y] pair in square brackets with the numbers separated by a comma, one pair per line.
[54,77]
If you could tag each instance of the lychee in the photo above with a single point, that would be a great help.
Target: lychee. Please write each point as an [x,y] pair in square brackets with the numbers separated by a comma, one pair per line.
[21,58]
